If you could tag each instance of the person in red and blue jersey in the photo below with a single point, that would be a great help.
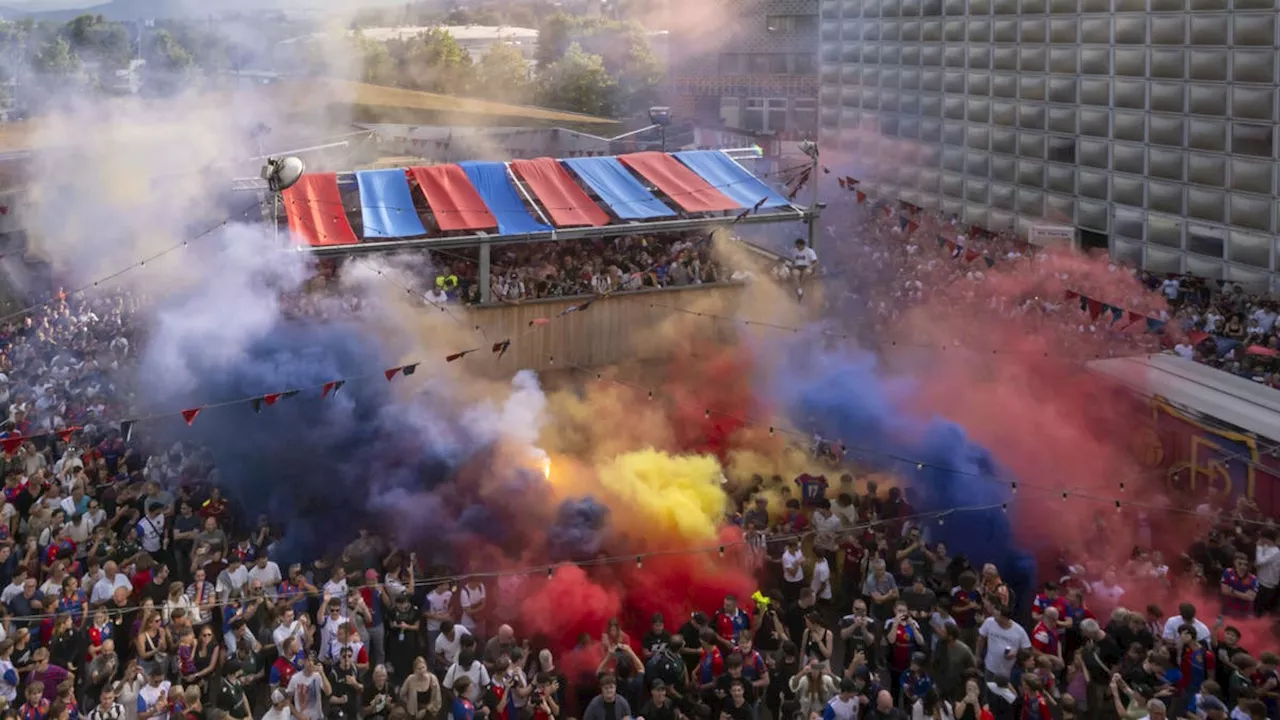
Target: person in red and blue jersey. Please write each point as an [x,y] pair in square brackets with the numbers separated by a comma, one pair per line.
[710,662]
[1046,636]
[731,621]
[462,708]
[1051,596]
[1239,589]
[813,488]
[1195,661]
[1034,704]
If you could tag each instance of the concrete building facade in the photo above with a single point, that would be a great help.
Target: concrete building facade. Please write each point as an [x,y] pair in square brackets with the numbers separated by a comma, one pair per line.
[757,72]
[1150,125]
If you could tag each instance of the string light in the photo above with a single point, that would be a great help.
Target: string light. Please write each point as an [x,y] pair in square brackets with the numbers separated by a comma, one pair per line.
[1121,486]
[639,561]
[1004,507]
[551,572]
[721,551]
[650,394]
[1117,506]
[707,413]
[1013,487]
[1064,497]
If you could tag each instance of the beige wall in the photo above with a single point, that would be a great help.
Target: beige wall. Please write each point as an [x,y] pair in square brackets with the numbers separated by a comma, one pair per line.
[623,327]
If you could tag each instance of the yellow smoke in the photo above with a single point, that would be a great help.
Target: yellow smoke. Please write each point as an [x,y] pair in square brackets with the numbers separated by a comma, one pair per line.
[675,497]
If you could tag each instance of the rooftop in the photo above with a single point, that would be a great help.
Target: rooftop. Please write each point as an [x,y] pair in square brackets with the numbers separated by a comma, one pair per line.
[461,33]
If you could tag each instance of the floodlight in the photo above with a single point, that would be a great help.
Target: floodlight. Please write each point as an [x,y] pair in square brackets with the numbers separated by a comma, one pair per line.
[660,116]
[282,173]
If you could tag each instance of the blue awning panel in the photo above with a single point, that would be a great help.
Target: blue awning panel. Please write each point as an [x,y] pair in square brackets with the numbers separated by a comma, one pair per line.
[618,188]
[730,178]
[386,205]
[499,193]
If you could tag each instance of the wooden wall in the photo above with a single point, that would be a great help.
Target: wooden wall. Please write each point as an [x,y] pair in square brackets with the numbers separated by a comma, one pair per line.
[612,330]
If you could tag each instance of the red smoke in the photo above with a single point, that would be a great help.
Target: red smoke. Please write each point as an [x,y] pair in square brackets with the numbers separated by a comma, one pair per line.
[711,398]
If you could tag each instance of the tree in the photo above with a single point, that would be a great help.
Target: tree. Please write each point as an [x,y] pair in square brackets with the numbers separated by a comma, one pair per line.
[432,61]
[503,74]
[554,37]
[579,82]
[56,59]
[95,38]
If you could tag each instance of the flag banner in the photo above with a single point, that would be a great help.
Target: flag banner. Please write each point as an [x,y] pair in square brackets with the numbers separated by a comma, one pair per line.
[390,373]
[190,415]
[332,388]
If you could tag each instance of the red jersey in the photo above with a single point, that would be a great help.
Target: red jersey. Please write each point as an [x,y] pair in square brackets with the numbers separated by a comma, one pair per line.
[1045,639]
[1034,707]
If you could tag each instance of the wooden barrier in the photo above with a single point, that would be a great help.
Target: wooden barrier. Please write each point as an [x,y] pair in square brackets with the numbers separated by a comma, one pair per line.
[612,330]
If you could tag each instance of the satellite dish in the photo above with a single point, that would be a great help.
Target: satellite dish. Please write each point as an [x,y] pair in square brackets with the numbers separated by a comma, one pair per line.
[283,173]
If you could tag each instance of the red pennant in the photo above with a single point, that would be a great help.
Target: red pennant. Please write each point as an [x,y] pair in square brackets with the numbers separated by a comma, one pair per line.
[328,388]
[65,434]
[888,211]
[271,398]
[1095,308]
[841,181]
[912,227]
[457,355]
[539,321]
[971,255]
[1072,295]
[1197,336]
[861,197]
[1262,350]
[11,444]
[391,373]
[1133,318]
[190,415]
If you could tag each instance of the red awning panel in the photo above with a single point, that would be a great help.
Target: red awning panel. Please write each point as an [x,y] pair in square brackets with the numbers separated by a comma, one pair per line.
[682,185]
[453,199]
[567,203]
[316,215]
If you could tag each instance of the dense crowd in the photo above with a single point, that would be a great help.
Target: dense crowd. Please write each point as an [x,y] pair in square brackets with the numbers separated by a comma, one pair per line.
[131,589]
[578,267]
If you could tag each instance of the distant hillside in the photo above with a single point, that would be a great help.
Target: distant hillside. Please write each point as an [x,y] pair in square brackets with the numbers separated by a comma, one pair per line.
[62,10]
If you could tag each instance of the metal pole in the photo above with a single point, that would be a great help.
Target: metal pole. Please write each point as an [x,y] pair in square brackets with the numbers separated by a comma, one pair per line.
[482,277]
[275,217]
[813,199]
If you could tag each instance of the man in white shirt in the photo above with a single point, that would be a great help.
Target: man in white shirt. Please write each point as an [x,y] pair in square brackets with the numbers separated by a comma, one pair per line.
[266,572]
[999,640]
[803,262]
[105,588]
[1267,560]
[449,642]
[308,690]
[1186,616]
[793,569]
[151,528]
[153,698]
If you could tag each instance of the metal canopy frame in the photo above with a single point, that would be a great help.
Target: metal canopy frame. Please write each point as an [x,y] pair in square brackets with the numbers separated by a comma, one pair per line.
[585,233]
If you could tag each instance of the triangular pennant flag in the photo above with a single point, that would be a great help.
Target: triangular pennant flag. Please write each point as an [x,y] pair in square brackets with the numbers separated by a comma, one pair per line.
[888,211]
[126,430]
[576,308]
[65,434]
[501,347]
[861,197]
[1072,295]
[288,394]
[256,404]
[1094,307]
[912,227]
[11,444]
[741,216]
[843,186]
[759,204]
[390,373]
[332,388]
[539,321]
[903,222]
[826,170]
[971,255]
[408,370]
[850,181]
[271,398]
[190,414]
[1116,314]
[1131,319]
[1154,325]
[990,261]
[1195,337]
[941,241]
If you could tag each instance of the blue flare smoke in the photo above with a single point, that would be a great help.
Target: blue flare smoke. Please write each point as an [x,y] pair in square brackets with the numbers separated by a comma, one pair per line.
[324,467]
[846,398]
[578,530]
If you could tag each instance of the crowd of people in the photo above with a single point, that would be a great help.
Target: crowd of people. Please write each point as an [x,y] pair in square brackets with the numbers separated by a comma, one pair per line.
[579,268]
[131,589]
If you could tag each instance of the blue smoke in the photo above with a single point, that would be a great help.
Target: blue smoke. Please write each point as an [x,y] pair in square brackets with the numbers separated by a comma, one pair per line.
[578,530]
[845,398]
[325,467]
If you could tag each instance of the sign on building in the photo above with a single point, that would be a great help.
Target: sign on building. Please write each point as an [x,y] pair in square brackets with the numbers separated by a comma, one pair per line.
[1052,236]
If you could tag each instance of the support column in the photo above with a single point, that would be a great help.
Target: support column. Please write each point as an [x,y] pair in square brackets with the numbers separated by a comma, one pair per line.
[482,276]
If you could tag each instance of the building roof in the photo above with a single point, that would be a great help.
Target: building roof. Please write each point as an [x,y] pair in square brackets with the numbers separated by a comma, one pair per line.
[461,33]
[1248,405]
[345,101]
